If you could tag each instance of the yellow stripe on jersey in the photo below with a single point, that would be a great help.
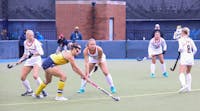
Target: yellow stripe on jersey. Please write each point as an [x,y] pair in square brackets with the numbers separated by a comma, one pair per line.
[58,59]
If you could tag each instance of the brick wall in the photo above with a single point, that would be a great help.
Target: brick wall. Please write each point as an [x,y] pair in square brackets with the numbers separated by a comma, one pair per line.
[92,20]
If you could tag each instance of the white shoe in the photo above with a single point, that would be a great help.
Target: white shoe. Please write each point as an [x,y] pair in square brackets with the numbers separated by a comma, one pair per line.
[183,89]
[61,98]
[37,97]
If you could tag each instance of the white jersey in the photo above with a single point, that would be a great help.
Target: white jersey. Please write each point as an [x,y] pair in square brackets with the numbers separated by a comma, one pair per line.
[34,47]
[156,46]
[93,58]
[187,48]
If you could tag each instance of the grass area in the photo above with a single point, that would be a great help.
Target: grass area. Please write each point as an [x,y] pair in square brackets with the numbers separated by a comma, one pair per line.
[137,90]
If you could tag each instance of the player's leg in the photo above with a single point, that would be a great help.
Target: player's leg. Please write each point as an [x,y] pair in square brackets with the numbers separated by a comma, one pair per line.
[104,68]
[188,77]
[84,82]
[163,66]
[25,71]
[153,66]
[38,80]
[182,80]
[43,84]
[55,71]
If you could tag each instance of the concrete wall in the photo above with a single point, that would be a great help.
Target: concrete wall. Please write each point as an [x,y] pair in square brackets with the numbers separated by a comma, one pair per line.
[112,49]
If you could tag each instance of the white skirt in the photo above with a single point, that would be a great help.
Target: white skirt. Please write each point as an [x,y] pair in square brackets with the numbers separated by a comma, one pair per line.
[33,61]
[95,60]
[187,59]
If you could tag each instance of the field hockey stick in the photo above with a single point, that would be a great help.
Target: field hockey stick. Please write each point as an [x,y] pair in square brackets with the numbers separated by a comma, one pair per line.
[103,90]
[173,68]
[95,68]
[9,66]
[141,59]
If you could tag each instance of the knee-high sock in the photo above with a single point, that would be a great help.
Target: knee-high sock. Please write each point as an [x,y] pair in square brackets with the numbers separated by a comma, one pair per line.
[61,85]
[109,80]
[189,81]
[182,79]
[84,82]
[27,85]
[153,67]
[38,81]
[163,67]
[40,88]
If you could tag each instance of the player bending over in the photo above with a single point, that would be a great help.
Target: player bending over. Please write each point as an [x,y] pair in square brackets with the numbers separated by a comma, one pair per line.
[50,66]
[157,48]
[93,54]
[187,50]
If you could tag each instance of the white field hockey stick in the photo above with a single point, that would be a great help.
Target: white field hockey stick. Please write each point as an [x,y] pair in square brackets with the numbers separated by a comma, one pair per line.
[103,90]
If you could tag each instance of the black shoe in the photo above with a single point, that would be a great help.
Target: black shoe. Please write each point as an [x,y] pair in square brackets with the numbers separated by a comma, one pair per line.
[27,93]
[44,93]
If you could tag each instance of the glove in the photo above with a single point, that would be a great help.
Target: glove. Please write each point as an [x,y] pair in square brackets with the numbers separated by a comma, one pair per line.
[164,51]
[30,55]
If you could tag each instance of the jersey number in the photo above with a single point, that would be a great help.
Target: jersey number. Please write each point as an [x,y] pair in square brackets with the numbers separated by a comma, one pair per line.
[189,49]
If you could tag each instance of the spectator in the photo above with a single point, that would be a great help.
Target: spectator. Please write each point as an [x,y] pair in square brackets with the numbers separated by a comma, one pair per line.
[22,38]
[62,43]
[76,35]
[39,36]
[157,27]
[4,34]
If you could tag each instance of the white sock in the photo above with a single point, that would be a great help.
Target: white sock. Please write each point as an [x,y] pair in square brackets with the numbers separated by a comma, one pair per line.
[163,67]
[83,83]
[38,81]
[182,79]
[27,85]
[189,81]
[109,80]
[153,68]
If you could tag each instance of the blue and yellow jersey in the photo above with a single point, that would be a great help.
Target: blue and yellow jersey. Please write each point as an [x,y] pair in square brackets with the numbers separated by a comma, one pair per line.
[58,59]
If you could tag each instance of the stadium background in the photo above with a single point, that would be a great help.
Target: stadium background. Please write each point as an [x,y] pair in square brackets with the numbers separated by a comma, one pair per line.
[141,16]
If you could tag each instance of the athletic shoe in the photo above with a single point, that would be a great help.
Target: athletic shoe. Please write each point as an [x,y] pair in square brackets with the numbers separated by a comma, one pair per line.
[61,98]
[152,75]
[80,91]
[44,93]
[27,93]
[165,74]
[183,89]
[112,89]
[37,97]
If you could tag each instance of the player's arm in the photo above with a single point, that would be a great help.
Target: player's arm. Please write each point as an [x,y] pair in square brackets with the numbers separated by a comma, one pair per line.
[194,48]
[164,45]
[180,46]
[74,66]
[86,61]
[39,49]
[100,52]
[150,49]
[25,55]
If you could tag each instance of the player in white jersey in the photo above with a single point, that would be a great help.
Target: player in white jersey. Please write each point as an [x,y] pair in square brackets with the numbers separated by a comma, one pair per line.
[33,49]
[157,47]
[187,49]
[93,54]
[177,33]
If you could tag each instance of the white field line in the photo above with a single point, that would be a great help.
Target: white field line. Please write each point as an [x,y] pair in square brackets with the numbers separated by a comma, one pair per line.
[93,99]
